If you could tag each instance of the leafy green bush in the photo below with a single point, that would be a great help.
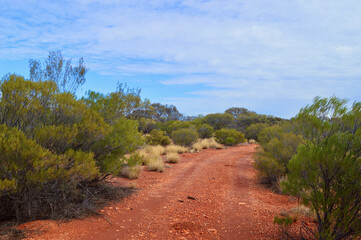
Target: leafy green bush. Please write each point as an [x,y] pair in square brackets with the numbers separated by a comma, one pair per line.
[185,137]
[72,139]
[26,167]
[254,130]
[278,148]
[158,137]
[325,172]
[220,120]
[147,125]
[171,126]
[223,134]
[230,141]
[205,130]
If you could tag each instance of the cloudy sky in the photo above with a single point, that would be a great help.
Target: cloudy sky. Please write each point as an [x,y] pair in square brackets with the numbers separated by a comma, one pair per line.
[203,56]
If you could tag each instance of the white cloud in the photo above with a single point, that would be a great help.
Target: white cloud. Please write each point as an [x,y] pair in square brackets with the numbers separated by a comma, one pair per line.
[267,49]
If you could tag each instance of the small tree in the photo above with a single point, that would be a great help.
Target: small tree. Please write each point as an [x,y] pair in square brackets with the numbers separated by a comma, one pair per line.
[326,171]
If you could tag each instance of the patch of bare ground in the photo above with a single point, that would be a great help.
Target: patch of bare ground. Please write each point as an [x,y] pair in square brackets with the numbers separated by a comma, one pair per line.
[213,194]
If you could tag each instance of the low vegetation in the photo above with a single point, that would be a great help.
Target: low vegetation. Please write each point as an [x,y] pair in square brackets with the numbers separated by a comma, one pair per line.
[185,136]
[156,164]
[54,144]
[172,157]
[176,149]
[229,137]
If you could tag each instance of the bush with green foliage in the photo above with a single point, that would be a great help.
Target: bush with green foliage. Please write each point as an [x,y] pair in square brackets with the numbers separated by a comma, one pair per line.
[171,126]
[27,167]
[254,130]
[229,136]
[146,125]
[185,137]
[278,147]
[205,130]
[70,142]
[220,120]
[326,171]
[158,137]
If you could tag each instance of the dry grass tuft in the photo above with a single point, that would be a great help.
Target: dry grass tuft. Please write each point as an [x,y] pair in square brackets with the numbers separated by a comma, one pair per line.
[156,164]
[130,172]
[157,150]
[172,157]
[197,146]
[300,211]
[151,152]
[213,144]
[176,149]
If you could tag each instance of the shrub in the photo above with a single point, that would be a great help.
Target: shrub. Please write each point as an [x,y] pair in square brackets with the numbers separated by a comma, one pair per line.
[220,120]
[254,130]
[230,141]
[185,137]
[171,126]
[205,130]
[156,164]
[223,134]
[28,171]
[146,125]
[158,137]
[272,159]
[269,169]
[172,157]
[325,172]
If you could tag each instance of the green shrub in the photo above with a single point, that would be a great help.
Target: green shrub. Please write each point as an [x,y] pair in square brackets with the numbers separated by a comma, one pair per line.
[223,134]
[205,131]
[254,130]
[220,120]
[325,172]
[123,138]
[185,137]
[28,171]
[230,141]
[171,126]
[278,147]
[146,125]
[269,169]
[158,137]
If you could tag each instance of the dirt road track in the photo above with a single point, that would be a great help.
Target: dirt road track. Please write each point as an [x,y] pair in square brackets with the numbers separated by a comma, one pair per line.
[209,195]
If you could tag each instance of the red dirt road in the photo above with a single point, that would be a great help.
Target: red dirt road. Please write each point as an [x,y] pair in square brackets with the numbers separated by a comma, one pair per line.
[229,203]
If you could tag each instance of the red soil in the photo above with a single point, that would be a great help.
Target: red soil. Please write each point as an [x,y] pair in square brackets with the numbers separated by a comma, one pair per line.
[229,203]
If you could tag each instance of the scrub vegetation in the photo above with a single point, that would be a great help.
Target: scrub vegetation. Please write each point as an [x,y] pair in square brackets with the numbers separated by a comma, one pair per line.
[53,143]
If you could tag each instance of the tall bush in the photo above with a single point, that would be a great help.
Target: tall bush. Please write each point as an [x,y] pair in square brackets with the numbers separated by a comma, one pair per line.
[325,172]
[26,168]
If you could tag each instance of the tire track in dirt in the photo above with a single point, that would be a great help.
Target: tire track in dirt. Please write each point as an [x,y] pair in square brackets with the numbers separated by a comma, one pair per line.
[229,203]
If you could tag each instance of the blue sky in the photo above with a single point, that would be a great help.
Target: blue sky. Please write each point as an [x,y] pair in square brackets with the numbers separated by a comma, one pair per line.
[271,57]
